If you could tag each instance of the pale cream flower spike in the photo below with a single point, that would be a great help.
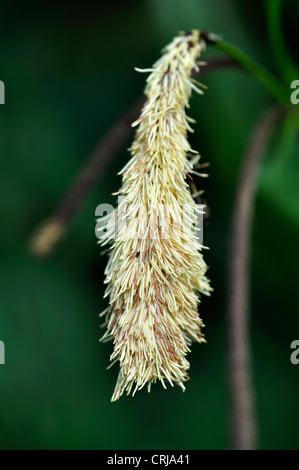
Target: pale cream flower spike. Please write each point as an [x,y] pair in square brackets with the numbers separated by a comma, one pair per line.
[154,280]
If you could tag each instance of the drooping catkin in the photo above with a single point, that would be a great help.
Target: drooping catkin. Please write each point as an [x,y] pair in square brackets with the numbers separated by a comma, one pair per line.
[156,270]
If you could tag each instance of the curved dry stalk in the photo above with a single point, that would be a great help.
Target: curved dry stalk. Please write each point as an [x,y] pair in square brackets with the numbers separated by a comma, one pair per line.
[241,388]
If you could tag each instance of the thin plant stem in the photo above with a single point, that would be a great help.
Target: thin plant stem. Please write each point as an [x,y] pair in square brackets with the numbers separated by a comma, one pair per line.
[274,86]
[243,418]
[287,67]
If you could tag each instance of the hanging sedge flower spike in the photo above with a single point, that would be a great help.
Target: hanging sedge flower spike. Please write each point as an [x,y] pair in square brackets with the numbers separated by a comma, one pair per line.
[156,271]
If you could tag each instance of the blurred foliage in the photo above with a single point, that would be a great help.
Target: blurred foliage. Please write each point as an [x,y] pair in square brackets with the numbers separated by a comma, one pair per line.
[69,74]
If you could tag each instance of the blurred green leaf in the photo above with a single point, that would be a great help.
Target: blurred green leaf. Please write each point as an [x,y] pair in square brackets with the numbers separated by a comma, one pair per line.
[285,64]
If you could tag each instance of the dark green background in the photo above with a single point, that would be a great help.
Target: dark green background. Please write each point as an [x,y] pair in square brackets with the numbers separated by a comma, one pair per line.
[69,75]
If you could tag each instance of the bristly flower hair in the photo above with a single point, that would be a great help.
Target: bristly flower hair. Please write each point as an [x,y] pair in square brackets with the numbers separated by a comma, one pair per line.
[156,270]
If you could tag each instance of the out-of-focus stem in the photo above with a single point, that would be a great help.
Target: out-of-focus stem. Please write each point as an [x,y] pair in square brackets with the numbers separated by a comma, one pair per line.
[274,86]
[243,418]
[286,65]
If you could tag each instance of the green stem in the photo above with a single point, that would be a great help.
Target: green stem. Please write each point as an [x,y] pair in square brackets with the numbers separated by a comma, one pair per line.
[285,63]
[274,86]
[288,138]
